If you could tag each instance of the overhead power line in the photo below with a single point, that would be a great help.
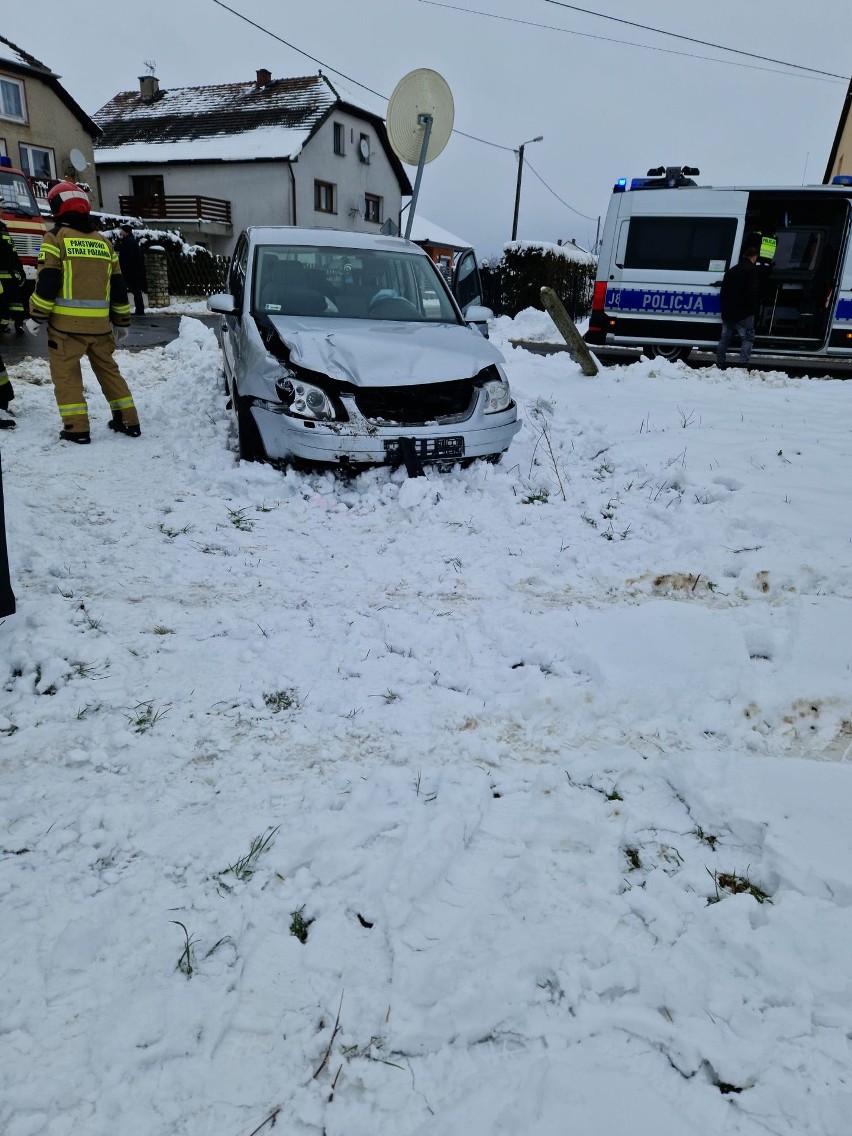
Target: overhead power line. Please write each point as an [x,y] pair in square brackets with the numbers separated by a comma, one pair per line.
[806,73]
[556,195]
[334,71]
[694,39]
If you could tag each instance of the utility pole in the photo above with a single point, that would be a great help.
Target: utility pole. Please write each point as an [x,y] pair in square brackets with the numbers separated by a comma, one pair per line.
[518,189]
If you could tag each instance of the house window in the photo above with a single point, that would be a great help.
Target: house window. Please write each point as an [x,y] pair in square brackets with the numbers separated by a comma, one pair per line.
[324,197]
[3,153]
[372,208]
[12,99]
[364,148]
[339,138]
[37,161]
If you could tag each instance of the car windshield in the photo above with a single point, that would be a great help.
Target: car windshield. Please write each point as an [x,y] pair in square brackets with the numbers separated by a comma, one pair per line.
[346,283]
[16,196]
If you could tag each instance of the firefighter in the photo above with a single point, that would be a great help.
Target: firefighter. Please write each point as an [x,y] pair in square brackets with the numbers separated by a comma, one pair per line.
[12,279]
[79,293]
[7,393]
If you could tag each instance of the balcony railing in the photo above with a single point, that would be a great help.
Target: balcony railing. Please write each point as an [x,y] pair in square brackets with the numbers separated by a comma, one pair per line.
[181,207]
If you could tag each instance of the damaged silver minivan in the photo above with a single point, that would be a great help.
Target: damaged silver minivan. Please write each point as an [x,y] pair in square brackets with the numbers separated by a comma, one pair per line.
[348,349]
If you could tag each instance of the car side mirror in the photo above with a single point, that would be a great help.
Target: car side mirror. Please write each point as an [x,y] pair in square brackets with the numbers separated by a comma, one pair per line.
[222,302]
[477,316]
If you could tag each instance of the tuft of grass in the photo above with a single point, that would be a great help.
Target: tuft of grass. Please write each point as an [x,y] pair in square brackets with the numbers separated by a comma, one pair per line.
[633,859]
[299,924]
[92,623]
[278,700]
[161,629]
[239,519]
[737,885]
[244,868]
[171,533]
[186,962]
[540,498]
[145,717]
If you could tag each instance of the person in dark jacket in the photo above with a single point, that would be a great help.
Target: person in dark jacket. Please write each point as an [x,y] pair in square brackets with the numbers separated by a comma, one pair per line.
[132,266]
[12,280]
[7,596]
[740,300]
[7,391]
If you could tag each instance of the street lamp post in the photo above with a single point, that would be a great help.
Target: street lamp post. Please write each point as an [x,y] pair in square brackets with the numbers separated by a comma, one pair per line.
[518,190]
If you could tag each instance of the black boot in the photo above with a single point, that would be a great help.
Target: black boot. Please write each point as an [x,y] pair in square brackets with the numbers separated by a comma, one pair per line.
[81,437]
[118,424]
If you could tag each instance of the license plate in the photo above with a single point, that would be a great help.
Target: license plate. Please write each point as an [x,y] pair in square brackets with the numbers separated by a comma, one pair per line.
[428,449]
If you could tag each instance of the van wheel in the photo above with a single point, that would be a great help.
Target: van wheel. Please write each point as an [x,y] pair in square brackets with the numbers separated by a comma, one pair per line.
[665,351]
[249,445]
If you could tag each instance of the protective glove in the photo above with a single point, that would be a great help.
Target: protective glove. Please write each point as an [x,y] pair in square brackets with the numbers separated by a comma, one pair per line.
[32,326]
[119,334]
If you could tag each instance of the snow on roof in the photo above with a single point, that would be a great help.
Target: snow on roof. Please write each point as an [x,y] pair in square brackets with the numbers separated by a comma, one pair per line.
[424,231]
[571,252]
[228,122]
[11,53]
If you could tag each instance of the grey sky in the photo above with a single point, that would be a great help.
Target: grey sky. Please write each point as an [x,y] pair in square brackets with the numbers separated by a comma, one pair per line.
[605,109]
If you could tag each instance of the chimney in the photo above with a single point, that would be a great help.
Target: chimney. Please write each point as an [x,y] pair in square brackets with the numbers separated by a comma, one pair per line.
[149,86]
[264,77]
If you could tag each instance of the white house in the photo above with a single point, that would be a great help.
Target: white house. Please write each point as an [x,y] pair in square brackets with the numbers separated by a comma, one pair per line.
[211,160]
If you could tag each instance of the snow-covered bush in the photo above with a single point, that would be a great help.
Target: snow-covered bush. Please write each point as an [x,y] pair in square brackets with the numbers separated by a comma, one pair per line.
[514,282]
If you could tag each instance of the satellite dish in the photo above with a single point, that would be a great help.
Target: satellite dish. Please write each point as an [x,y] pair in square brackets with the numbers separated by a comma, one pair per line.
[417,94]
[419,123]
[78,160]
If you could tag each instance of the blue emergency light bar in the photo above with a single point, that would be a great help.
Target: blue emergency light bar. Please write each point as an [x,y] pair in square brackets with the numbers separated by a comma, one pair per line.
[620,186]
[842,179]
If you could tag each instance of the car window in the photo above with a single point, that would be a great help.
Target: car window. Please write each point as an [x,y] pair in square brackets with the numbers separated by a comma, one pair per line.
[344,283]
[237,274]
[468,290]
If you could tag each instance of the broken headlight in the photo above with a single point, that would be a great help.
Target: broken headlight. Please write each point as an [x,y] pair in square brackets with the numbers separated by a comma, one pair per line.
[497,394]
[304,400]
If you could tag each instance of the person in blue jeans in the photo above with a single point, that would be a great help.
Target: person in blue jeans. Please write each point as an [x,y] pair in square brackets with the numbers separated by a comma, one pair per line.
[740,300]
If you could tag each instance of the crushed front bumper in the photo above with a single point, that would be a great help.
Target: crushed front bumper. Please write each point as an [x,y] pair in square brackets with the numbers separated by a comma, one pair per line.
[363,442]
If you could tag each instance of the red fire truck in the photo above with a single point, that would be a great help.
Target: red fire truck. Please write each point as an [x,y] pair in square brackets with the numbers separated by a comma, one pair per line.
[20,214]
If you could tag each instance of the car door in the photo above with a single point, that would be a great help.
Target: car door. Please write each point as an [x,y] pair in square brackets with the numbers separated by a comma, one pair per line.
[231,324]
[467,286]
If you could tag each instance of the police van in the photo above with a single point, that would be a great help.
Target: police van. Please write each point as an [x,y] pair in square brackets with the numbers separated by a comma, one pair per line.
[667,243]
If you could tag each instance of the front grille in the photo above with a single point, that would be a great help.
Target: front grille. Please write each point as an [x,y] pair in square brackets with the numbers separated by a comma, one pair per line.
[415,406]
[26,244]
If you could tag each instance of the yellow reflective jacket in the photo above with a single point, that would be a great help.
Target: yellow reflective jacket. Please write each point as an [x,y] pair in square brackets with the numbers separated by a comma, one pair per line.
[79,288]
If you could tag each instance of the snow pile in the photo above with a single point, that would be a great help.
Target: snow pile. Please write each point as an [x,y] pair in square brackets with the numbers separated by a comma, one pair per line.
[510,799]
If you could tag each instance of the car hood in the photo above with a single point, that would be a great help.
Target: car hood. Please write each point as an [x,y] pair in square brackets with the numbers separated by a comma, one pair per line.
[371,354]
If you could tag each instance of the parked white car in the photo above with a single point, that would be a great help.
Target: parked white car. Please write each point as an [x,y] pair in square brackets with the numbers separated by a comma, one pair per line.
[349,350]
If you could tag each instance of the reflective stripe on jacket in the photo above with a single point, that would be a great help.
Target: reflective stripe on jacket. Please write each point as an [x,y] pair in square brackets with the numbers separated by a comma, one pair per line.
[79,287]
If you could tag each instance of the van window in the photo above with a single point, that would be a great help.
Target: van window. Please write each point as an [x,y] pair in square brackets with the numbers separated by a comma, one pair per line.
[798,249]
[680,244]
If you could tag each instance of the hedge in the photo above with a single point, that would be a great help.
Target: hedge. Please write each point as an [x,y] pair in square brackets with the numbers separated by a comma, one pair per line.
[514,282]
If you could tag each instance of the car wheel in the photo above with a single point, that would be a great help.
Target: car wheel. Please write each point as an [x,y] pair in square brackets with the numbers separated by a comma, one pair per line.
[249,445]
[666,351]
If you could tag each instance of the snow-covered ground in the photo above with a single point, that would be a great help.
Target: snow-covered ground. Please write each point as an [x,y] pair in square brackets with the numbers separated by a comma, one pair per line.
[546,763]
